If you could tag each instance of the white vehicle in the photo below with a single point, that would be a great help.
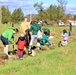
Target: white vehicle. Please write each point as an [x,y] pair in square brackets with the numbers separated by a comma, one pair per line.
[61,23]
[73,23]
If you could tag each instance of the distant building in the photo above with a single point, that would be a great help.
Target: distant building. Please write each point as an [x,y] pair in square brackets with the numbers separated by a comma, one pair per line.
[71,21]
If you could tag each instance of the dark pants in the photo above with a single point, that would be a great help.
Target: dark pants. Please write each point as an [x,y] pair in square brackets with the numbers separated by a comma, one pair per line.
[4,40]
[28,38]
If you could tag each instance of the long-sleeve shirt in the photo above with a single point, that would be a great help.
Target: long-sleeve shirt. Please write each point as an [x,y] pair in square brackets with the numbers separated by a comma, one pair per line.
[24,26]
[45,40]
[8,34]
[70,27]
[65,36]
[34,28]
[47,30]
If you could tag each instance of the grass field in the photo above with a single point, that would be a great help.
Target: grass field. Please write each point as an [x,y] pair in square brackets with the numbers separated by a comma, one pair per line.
[56,61]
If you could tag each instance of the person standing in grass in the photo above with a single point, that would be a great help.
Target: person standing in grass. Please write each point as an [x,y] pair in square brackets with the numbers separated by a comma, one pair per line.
[24,26]
[70,29]
[23,30]
[21,43]
[7,37]
[35,27]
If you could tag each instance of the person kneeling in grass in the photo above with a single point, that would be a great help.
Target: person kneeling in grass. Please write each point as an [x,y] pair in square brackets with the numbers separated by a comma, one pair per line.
[44,40]
[47,30]
[64,42]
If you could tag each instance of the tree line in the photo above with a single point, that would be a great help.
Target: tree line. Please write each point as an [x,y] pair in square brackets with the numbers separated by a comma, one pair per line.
[14,17]
[53,13]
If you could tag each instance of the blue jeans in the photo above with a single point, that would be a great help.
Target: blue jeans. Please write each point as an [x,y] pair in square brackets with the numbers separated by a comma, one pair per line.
[20,56]
[49,42]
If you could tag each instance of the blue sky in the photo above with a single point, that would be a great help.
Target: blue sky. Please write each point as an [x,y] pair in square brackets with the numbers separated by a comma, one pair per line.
[27,5]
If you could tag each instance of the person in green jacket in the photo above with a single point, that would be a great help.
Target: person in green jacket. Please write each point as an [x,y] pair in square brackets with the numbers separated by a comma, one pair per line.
[45,40]
[70,29]
[35,27]
[6,37]
[47,30]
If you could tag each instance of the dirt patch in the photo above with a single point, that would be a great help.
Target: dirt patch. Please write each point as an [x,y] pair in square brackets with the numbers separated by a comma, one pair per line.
[44,48]
[47,47]
[3,56]
[2,62]
[53,33]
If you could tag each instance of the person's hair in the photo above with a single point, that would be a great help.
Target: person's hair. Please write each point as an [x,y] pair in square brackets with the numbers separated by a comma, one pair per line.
[16,30]
[33,22]
[64,31]
[45,32]
[22,38]
[70,24]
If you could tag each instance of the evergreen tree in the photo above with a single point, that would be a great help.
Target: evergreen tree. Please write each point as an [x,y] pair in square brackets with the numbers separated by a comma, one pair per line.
[6,15]
[17,16]
[40,9]
[74,18]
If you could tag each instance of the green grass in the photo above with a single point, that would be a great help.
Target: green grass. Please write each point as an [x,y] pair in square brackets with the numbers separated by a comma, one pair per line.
[58,61]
